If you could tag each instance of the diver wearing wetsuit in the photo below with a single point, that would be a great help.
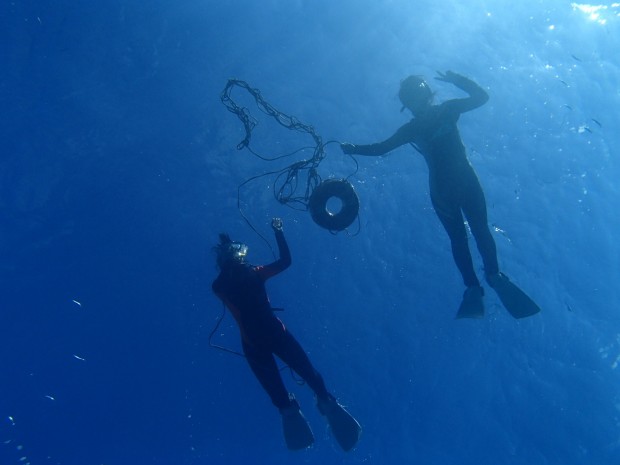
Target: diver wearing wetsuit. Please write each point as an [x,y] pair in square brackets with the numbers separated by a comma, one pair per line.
[241,287]
[454,186]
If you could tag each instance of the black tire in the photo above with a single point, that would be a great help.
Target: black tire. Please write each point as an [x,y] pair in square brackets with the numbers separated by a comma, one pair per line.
[342,190]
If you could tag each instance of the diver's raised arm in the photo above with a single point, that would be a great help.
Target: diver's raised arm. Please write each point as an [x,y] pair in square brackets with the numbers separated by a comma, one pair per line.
[284,259]
[283,250]
[477,95]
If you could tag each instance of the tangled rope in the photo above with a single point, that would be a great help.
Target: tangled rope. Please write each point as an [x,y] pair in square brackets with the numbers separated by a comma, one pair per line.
[288,179]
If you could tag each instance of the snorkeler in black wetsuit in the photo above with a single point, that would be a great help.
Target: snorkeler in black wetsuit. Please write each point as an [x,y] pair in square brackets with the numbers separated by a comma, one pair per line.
[454,187]
[241,287]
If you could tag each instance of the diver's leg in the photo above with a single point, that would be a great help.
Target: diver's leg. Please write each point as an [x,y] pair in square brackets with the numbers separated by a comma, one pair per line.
[264,367]
[291,353]
[452,220]
[343,425]
[297,432]
[475,209]
[471,305]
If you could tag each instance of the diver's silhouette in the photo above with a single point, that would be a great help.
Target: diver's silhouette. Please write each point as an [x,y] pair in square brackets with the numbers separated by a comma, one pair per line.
[454,187]
[241,287]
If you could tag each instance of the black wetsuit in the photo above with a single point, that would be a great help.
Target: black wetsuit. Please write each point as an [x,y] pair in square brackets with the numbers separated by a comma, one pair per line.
[242,289]
[454,186]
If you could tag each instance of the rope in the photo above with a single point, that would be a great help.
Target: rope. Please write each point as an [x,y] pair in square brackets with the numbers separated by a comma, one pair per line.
[288,180]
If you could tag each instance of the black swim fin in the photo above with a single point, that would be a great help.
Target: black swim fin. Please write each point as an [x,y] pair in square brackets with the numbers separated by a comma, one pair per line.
[297,432]
[472,305]
[517,302]
[344,427]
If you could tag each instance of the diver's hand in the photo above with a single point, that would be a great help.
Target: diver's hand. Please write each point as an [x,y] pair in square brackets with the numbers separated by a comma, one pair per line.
[347,148]
[448,76]
[276,224]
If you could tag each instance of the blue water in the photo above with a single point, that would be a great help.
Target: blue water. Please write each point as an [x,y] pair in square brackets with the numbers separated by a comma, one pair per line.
[119,168]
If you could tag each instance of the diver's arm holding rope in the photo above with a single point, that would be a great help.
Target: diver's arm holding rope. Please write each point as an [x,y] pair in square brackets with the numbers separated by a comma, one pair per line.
[401,137]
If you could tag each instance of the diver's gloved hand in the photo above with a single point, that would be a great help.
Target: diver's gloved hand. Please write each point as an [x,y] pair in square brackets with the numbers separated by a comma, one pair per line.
[451,77]
[347,148]
[276,224]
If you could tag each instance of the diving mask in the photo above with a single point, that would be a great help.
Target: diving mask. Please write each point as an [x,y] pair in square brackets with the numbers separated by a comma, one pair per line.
[238,250]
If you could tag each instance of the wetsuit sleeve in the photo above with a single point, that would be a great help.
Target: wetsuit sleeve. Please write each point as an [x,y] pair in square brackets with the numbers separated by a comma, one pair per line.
[267,271]
[477,95]
[401,137]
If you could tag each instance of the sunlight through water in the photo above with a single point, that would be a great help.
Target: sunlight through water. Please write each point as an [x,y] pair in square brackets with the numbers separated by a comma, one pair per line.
[599,13]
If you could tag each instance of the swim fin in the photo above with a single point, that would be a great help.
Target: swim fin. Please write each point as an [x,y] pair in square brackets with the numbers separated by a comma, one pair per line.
[297,432]
[472,305]
[517,302]
[344,427]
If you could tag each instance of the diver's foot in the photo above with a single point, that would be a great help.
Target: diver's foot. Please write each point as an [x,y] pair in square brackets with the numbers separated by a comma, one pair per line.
[297,432]
[497,279]
[344,427]
[472,305]
[517,302]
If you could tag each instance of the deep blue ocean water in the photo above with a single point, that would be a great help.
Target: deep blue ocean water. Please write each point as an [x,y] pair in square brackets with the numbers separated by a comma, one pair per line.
[119,167]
